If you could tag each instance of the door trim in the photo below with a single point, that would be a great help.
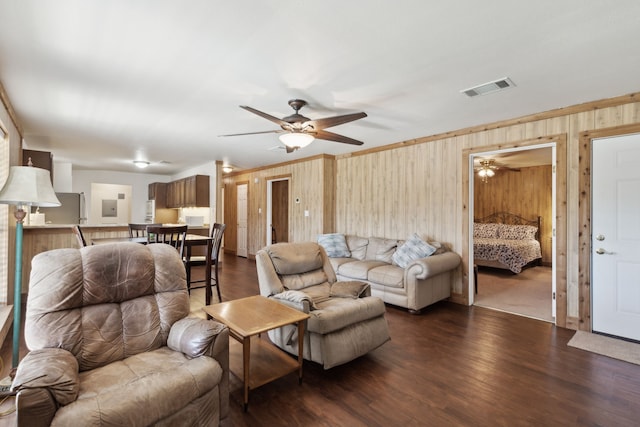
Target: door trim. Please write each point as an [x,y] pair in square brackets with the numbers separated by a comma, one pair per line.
[584,214]
[561,219]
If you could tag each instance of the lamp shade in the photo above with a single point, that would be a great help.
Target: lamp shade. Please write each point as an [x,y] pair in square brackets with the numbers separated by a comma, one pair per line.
[29,186]
[296,139]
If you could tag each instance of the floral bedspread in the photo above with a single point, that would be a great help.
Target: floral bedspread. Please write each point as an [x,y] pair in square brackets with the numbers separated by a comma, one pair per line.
[515,254]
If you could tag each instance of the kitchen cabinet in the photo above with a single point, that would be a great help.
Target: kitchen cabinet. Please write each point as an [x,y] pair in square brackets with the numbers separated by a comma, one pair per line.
[188,192]
[39,159]
[158,192]
[196,191]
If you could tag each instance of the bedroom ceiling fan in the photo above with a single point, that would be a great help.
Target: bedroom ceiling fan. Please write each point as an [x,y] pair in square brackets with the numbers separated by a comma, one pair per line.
[298,131]
[488,168]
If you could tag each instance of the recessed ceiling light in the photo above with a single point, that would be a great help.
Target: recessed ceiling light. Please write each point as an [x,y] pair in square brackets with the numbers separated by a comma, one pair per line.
[141,163]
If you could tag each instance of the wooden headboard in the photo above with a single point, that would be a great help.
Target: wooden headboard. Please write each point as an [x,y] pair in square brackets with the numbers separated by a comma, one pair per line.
[511,219]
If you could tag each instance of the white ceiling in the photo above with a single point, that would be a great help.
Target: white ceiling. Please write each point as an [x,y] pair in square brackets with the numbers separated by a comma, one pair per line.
[101,83]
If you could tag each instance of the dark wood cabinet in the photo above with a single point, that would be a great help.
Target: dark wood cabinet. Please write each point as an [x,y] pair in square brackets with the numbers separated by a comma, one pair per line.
[196,191]
[190,192]
[158,192]
[39,159]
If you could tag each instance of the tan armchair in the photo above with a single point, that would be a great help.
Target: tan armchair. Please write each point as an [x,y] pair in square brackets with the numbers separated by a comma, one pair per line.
[346,321]
[111,344]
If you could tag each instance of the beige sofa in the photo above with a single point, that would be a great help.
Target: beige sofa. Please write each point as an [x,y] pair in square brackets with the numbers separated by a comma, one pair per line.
[111,344]
[345,321]
[417,284]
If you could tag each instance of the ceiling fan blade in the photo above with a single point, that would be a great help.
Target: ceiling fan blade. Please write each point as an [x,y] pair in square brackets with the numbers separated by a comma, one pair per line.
[269,117]
[330,136]
[334,121]
[255,133]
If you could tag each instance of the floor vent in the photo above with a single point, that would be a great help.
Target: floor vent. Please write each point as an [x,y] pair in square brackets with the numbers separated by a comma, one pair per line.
[490,87]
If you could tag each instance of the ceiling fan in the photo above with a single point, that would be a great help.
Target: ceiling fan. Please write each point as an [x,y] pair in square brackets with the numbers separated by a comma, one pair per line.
[298,131]
[488,168]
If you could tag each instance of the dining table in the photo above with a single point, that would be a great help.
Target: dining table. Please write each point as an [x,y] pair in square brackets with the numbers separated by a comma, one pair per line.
[191,240]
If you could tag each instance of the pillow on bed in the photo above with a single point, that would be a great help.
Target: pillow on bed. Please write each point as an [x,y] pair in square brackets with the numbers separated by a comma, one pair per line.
[485,231]
[517,232]
[414,248]
[335,245]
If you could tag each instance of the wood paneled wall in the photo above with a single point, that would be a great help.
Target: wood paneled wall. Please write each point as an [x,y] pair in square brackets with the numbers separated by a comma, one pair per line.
[419,186]
[526,193]
[311,184]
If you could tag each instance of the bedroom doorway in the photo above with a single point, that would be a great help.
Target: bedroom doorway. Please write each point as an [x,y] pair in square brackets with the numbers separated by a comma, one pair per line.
[519,180]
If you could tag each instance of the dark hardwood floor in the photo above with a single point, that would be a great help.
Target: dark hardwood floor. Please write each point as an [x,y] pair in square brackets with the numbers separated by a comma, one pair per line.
[451,365]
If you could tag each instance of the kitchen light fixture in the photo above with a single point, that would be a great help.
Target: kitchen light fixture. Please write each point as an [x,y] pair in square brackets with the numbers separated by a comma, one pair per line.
[296,140]
[25,186]
[227,169]
[141,163]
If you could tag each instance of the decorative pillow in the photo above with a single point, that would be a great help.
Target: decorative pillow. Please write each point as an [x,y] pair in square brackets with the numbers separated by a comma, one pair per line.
[335,245]
[517,232]
[414,248]
[485,230]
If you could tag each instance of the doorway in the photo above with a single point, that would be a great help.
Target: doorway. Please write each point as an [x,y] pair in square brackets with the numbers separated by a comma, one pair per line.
[277,210]
[522,181]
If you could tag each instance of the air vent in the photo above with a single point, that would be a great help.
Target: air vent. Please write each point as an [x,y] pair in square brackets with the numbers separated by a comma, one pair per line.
[490,87]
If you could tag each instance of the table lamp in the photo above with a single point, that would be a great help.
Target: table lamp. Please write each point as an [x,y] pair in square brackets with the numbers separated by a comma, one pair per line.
[25,186]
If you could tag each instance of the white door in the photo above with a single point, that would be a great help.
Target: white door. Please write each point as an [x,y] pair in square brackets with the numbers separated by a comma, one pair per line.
[242,220]
[615,240]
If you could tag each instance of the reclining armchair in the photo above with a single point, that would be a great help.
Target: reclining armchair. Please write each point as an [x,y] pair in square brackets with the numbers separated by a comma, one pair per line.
[346,321]
[111,344]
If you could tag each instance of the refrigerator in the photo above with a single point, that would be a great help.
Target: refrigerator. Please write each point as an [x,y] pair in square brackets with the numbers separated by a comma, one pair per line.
[72,210]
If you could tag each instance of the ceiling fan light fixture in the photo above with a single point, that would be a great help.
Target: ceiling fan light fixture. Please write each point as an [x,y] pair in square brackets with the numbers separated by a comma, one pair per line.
[296,139]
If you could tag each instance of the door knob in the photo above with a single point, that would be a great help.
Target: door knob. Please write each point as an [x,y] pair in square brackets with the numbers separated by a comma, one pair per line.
[600,237]
[601,251]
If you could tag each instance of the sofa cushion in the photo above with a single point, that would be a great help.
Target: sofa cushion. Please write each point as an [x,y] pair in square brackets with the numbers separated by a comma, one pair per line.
[357,246]
[295,258]
[337,313]
[380,249]
[387,275]
[358,269]
[334,244]
[414,248]
[161,381]
[304,280]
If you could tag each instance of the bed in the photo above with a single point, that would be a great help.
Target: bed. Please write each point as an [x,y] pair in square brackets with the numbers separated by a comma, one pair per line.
[505,240]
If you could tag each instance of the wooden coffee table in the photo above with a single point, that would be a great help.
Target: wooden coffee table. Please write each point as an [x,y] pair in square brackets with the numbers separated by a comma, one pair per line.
[262,362]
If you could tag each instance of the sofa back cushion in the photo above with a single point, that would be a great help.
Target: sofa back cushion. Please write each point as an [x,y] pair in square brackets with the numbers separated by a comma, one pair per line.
[380,249]
[299,265]
[105,303]
[357,246]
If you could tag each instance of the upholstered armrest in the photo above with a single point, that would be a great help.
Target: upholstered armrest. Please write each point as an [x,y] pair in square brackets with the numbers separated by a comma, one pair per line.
[193,336]
[295,299]
[424,268]
[45,379]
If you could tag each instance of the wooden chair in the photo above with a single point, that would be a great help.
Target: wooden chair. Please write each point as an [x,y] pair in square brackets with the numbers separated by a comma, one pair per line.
[79,236]
[217,231]
[140,230]
[172,235]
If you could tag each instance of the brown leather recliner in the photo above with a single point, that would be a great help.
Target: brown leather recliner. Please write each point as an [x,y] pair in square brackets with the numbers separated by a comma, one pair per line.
[111,344]
[346,321]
